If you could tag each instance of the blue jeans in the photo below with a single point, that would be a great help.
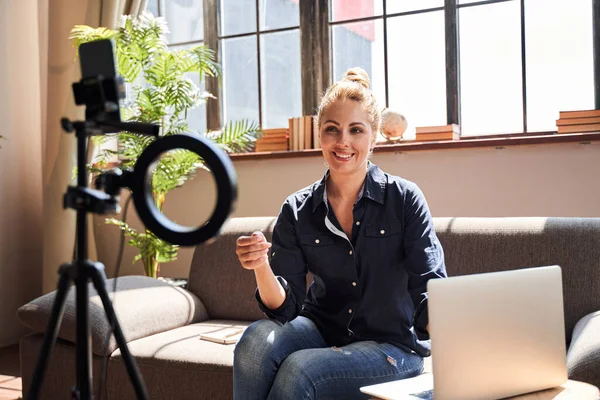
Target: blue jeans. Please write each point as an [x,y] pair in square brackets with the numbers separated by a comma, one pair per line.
[291,361]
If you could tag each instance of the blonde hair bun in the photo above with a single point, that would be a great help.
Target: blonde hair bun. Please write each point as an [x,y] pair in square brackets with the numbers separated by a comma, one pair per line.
[358,75]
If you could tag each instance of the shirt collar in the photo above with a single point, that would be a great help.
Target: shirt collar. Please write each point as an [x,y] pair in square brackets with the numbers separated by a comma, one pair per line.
[373,187]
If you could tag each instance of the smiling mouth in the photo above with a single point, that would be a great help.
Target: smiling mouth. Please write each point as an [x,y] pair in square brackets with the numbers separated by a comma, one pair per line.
[343,156]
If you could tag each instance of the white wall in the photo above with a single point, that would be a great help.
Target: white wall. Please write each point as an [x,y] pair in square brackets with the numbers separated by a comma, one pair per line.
[535,180]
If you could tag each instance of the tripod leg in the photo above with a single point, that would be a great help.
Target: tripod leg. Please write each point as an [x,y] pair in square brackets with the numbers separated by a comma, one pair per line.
[58,309]
[83,350]
[99,280]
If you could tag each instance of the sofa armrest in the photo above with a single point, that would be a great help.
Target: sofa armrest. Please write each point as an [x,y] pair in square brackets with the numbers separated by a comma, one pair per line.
[583,357]
[144,306]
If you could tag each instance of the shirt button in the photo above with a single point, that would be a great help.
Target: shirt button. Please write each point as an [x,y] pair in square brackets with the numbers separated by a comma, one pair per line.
[349,311]
[357,223]
[350,252]
[317,241]
[353,283]
[273,255]
[382,232]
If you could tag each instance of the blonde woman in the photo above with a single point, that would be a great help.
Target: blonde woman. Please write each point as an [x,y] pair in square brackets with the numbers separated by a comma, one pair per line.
[367,238]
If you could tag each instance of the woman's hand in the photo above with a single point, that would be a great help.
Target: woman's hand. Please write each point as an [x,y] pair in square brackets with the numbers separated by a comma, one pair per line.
[252,251]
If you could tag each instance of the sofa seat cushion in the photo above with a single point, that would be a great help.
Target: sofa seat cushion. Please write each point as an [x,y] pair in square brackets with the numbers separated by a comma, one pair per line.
[178,365]
[182,348]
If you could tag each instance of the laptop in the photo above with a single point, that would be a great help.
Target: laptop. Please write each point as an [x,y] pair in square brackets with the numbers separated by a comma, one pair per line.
[493,335]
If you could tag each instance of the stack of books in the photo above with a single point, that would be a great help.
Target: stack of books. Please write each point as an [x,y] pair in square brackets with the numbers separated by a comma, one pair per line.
[302,133]
[578,121]
[273,140]
[443,132]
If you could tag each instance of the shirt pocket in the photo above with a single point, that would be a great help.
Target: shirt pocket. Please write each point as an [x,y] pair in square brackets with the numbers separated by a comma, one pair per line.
[318,248]
[385,242]
[383,229]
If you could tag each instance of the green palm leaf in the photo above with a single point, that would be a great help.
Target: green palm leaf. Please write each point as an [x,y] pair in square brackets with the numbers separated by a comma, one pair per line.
[132,145]
[176,126]
[148,243]
[128,63]
[174,169]
[150,105]
[164,70]
[83,34]
[181,94]
[238,136]
[204,62]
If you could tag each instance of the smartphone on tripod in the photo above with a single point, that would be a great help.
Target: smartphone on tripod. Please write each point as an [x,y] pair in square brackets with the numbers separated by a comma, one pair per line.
[100,88]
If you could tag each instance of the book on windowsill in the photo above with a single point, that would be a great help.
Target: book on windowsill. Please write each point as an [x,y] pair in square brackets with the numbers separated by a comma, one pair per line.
[578,114]
[435,133]
[580,128]
[302,135]
[581,121]
[225,335]
[272,140]
[453,128]
[426,137]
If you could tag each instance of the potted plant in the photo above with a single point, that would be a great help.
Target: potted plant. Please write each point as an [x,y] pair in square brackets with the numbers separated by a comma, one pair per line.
[161,93]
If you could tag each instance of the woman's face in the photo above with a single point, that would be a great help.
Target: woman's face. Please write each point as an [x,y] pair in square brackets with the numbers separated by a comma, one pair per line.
[346,136]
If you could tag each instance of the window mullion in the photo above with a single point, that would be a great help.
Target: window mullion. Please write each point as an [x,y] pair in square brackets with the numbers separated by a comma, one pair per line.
[258,65]
[211,40]
[314,52]
[452,62]
[523,66]
[385,55]
[596,41]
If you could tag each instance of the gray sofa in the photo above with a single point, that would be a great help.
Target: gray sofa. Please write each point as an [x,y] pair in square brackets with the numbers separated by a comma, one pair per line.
[162,323]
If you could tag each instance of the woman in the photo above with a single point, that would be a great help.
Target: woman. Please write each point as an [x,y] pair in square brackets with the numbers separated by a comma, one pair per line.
[368,239]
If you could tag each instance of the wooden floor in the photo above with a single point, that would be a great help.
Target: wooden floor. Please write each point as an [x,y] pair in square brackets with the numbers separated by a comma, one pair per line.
[10,373]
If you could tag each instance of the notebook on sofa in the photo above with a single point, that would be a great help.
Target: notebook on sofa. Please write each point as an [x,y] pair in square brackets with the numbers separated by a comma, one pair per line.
[224,335]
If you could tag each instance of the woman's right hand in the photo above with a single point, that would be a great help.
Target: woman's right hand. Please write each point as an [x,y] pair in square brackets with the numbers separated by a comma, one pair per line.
[252,251]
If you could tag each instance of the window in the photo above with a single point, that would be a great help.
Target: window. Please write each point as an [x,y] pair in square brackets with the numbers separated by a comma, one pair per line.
[196,117]
[186,25]
[559,60]
[514,83]
[409,37]
[417,68]
[360,44]
[490,69]
[261,64]
[520,61]
[185,20]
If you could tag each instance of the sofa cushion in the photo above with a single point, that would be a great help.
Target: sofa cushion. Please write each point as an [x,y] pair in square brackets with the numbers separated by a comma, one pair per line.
[144,306]
[218,278]
[178,365]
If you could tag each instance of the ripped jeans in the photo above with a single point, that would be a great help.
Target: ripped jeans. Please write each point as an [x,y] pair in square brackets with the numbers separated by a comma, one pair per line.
[291,361]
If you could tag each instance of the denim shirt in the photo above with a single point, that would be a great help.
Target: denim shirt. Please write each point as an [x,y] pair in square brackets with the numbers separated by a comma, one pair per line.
[372,286]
